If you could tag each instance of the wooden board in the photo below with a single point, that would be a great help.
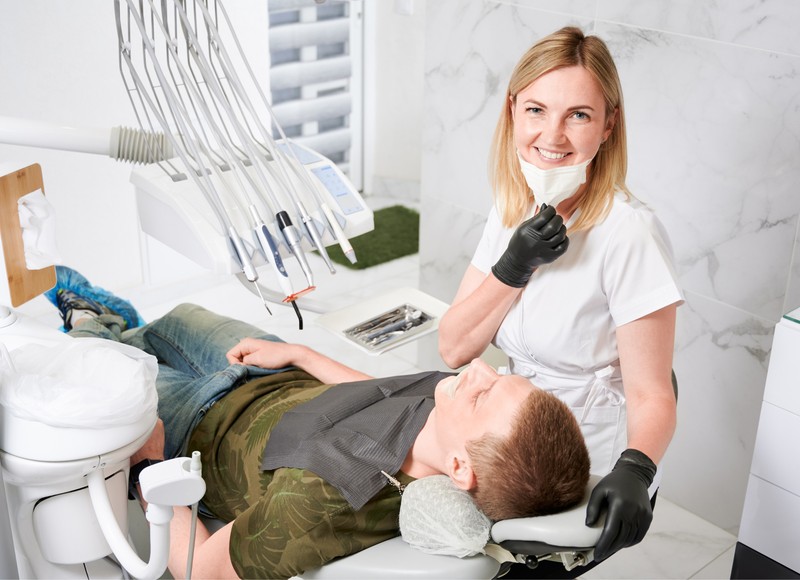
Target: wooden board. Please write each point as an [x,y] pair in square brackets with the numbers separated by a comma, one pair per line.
[23,284]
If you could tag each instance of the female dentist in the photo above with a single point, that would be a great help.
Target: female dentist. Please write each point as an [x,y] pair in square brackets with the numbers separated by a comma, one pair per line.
[590,317]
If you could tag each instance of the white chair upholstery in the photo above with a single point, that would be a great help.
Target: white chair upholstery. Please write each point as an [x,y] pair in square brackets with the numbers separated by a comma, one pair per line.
[396,559]
[545,537]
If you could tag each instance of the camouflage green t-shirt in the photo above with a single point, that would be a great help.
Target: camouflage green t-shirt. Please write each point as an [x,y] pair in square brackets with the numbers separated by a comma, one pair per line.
[288,520]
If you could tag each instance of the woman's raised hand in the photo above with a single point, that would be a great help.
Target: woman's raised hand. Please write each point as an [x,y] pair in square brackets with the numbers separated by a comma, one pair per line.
[537,241]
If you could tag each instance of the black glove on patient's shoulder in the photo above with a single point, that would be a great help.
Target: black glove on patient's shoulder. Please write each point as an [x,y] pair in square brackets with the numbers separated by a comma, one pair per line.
[623,493]
[536,242]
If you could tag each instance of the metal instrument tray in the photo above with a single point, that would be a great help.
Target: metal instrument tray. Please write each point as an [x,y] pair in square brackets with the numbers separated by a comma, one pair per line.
[389,327]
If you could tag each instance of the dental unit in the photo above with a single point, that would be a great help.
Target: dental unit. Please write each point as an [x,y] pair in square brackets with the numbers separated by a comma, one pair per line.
[64,450]
[206,131]
[64,484]
[186,79]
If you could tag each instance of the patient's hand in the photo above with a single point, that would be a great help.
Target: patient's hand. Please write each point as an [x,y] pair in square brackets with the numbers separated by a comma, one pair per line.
[280,355]
[153,448]
[264,353]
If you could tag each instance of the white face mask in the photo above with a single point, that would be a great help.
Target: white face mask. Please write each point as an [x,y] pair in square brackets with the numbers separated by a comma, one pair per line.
[552,186]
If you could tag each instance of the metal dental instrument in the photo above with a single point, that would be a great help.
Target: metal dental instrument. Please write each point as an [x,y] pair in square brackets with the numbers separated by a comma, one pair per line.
[254,156]
[388,327]
[262,235]
[392,314]
[333,223]
[190,146]
[244,101]
[181,79]
[263,300]
[404,323]
[293,239]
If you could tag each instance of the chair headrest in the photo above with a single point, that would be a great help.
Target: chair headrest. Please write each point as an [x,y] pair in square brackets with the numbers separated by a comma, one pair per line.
[567,528]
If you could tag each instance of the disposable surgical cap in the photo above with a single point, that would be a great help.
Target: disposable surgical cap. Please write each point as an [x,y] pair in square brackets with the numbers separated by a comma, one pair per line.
[439,518]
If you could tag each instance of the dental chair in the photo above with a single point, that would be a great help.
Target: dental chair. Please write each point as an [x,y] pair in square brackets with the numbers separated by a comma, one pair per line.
[51,475]
[561,537]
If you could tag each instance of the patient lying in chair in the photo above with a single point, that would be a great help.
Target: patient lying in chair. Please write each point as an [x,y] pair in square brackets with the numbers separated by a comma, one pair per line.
[306,458]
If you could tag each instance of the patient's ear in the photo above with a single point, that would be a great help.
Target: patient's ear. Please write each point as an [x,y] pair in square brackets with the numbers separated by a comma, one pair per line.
[460,471]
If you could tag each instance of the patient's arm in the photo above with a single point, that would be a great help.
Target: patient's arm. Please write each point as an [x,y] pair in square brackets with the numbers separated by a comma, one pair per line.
[278,355]
[211,558]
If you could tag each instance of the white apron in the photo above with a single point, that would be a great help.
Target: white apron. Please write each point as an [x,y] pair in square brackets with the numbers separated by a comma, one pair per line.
[598,402]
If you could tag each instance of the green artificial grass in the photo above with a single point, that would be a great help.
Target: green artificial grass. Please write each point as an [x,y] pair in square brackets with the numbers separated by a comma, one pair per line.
[396,234]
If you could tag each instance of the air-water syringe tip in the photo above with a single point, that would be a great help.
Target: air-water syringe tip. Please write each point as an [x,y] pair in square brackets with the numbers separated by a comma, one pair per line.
[260,295]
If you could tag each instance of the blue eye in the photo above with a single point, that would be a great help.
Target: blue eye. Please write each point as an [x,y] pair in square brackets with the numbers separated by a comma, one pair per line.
[534,110]
[581,116]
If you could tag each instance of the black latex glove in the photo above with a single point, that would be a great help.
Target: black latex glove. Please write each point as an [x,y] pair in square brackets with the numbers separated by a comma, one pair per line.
[623,493]
[537,241]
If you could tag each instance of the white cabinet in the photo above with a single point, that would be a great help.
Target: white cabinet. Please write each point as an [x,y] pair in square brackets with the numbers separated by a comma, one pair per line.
[771,517]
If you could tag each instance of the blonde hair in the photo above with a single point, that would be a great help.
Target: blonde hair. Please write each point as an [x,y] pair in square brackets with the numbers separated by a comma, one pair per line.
[563,48]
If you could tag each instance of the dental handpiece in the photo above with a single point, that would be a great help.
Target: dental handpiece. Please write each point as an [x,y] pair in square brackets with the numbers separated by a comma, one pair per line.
[311,229]
[338,233]
[293,240]
[244,261]
[269,248]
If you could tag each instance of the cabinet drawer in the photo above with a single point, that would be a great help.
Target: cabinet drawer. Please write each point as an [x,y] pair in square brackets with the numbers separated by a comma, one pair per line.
[771,522]
[783,377]
[775,454]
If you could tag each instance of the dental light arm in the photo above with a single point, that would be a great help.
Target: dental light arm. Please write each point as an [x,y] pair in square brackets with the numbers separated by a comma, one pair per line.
[120,143]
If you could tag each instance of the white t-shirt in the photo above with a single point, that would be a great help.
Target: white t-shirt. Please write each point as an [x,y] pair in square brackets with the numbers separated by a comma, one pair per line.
[561,332]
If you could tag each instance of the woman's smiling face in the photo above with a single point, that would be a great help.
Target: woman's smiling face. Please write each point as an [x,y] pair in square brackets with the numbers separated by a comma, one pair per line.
[560,119]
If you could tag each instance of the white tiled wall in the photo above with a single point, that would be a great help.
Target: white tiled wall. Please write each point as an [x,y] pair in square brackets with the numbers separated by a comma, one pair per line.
[712,97]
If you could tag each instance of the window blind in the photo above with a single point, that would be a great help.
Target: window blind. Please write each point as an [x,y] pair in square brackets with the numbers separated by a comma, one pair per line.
[315,77]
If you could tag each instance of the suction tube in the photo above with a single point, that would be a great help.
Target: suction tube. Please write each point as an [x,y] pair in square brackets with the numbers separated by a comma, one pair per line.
[159,517]
[195,467]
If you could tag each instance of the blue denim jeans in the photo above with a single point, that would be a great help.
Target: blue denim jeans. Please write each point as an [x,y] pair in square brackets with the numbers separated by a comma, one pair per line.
[190,343]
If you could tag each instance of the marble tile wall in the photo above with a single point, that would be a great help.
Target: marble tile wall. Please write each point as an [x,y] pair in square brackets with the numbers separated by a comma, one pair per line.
[712,95]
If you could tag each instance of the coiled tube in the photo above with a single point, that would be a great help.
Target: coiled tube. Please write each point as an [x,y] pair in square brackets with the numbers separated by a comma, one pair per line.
[138,146]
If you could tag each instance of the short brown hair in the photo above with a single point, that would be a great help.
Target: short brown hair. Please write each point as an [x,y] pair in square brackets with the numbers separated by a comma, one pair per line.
[564,48]
[542,467]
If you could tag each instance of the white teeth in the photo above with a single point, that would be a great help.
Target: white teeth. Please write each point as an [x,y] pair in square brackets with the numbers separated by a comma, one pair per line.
[551,154]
